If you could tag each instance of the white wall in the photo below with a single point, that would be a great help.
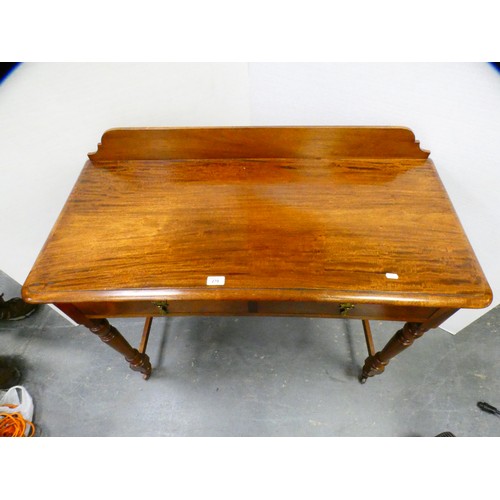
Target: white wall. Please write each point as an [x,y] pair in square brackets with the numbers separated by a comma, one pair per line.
[453,109]
[52,115]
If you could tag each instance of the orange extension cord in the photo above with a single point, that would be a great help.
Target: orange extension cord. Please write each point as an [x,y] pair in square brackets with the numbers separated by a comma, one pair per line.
[14,424]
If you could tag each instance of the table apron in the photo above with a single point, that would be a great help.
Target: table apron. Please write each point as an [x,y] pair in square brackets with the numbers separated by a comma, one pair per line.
[254,308]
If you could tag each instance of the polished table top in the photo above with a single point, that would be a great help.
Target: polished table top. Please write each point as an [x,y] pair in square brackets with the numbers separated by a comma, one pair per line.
[282,213]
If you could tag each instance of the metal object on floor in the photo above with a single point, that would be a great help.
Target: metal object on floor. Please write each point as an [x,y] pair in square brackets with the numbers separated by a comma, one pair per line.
[15,309]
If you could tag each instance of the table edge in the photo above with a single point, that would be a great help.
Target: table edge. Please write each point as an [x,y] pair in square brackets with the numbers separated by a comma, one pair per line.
[474,301]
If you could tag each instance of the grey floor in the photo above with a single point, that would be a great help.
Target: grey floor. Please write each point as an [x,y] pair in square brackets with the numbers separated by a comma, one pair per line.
[229,376]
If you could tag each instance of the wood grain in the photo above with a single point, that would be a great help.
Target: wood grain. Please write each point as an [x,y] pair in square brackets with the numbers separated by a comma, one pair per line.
[138,308]
[285,214]
[257,142]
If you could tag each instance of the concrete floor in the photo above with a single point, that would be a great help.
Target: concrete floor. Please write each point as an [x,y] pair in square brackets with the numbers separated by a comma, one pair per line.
[230,376]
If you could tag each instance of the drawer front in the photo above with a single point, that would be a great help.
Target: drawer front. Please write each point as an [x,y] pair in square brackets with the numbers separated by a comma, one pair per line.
[346,310]
[254,308]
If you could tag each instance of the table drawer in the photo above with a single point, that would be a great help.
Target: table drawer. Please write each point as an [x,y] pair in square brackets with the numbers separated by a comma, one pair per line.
[257,308]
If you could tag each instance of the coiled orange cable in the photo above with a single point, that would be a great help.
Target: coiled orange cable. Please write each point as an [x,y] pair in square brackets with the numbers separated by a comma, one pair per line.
[14,424]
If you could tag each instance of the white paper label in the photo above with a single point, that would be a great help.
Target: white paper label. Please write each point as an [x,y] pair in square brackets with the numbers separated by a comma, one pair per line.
[216,280]
[391,276]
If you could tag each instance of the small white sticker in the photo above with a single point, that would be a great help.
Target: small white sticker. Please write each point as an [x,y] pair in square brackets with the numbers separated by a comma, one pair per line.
[392,276]
[216,280]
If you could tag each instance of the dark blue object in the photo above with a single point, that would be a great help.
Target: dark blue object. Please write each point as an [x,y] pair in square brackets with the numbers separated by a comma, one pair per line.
[6,68]
[496,65]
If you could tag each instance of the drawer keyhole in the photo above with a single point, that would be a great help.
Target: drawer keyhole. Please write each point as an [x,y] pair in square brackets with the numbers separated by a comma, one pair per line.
[162,306]
[345,308]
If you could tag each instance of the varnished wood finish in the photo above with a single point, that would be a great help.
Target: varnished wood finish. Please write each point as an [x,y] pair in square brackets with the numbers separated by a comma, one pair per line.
[255,308]
[299,220]
[286,229]
[138,361]
[402,339]
[256,142]
[145,334]
[368,337]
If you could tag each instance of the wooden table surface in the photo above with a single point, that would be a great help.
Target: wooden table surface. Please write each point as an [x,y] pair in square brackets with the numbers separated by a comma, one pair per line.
[277,228]
[287,215]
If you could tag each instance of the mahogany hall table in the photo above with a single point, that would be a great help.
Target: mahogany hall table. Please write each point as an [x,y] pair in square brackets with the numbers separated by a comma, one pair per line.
[337,222]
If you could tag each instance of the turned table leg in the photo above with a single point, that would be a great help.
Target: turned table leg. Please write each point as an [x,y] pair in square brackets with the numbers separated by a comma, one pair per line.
[403,339]
[138,361]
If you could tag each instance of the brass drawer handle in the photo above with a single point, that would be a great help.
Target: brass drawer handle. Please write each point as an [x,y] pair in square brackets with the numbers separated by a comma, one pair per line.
[345,308]
[162,306]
